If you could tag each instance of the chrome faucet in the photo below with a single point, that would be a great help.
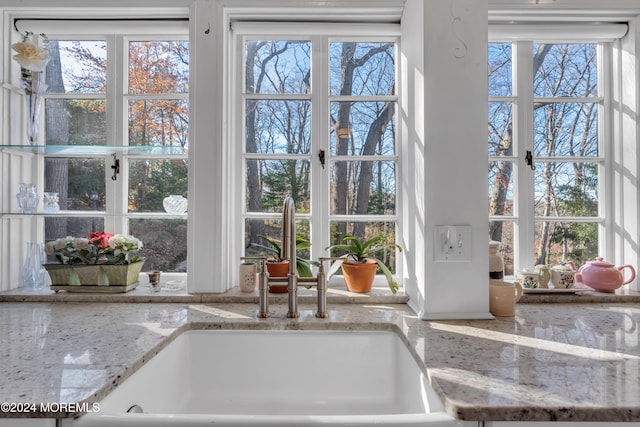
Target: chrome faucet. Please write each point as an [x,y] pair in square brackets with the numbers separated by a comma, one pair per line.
[289,252]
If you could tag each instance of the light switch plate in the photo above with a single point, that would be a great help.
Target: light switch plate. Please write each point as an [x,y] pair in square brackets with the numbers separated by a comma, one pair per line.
[452,243]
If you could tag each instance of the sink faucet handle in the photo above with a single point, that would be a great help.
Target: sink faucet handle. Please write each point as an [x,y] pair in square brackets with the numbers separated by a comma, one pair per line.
[330,258]
[321,287]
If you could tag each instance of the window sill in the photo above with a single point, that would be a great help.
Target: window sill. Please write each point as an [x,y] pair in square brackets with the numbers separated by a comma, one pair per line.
[335,295]
[622,295]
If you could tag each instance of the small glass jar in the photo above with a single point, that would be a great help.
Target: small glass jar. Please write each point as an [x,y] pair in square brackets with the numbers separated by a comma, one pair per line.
[496,263]
[154,281]
[50,202]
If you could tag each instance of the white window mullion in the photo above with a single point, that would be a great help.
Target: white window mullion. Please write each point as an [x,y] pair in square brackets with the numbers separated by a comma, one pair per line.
[116,117]
[523,235]
[321,176]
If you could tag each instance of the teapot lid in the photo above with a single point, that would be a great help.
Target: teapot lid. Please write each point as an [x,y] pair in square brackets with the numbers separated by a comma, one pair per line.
[600,262]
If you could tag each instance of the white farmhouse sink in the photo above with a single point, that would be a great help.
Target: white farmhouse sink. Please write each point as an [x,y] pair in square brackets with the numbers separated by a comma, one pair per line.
[276,378]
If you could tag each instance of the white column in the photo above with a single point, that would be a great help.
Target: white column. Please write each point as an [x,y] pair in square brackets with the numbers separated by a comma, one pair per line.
[444,177]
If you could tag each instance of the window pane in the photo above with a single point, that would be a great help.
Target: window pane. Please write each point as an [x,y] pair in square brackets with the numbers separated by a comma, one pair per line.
[150,181]
[278,66]
[501,188]
[370,67]
[566,189]
[272,228]
[77,66]
[499,69]
[557,242]
[159,122]
[502,231]
[270,181]
[280,127]
[363,128]
[500,133]
[158,67]
[363,231]
[165,243]
[75,122]
[80,183]
[566,129]
[58,227]
[565,70]
[366,188]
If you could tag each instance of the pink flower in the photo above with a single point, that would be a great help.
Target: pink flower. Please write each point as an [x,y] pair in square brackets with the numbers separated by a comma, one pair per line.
[102,238]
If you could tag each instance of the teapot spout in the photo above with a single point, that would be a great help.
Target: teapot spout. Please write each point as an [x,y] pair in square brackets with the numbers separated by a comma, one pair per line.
[572,265]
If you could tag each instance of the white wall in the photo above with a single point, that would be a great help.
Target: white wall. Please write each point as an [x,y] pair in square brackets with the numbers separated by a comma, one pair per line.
[444,114]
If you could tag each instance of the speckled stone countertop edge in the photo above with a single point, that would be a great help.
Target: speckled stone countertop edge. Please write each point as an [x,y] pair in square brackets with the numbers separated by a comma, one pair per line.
[449,337]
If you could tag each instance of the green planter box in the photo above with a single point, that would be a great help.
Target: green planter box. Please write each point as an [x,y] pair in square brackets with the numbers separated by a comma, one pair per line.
[94,278]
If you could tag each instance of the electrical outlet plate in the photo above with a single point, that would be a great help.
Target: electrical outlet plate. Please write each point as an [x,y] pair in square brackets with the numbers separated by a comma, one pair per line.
[452,243]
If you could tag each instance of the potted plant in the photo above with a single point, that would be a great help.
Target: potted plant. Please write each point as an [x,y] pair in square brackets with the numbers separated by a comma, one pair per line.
[279,267]
[359,265]
[102,263]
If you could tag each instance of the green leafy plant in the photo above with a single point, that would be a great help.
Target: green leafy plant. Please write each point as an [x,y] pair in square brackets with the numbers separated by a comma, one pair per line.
[274,251]
[359,251]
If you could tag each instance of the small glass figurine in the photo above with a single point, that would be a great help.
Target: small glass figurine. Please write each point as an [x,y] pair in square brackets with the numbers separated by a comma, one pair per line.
[27,198]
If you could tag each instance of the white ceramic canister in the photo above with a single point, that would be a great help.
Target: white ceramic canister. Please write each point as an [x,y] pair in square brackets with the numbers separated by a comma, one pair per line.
[496,263]
[247,276]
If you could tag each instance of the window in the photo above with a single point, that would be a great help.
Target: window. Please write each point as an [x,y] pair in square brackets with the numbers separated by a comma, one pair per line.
[119,90]
[547,168]
[318,123]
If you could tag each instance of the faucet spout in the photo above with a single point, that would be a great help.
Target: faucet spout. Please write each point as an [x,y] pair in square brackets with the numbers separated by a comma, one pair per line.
[289,251]
[289,233]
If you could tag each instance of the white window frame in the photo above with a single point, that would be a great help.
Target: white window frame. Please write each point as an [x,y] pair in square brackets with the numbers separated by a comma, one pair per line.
[522,39]
[116,35]
[317,33]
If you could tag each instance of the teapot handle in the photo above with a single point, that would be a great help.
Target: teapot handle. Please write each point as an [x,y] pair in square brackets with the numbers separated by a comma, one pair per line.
[633,272]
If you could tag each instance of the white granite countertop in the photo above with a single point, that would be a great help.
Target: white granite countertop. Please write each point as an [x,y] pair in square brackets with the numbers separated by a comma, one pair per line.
[571,362]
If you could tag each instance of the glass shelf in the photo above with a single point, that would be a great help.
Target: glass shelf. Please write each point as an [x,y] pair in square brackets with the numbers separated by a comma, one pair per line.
[95,214]
[95,150]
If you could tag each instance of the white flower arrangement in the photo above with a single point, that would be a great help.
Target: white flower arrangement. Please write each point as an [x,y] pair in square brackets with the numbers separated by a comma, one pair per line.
[99,248]
[29,55]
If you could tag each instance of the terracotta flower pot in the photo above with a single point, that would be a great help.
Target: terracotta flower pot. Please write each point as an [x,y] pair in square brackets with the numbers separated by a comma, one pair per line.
[278,269]
[359,277]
